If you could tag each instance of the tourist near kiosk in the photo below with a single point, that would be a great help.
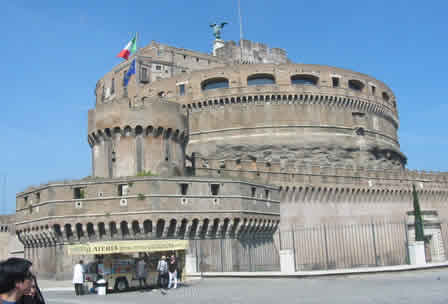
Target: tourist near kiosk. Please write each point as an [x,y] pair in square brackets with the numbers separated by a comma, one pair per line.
[116,261]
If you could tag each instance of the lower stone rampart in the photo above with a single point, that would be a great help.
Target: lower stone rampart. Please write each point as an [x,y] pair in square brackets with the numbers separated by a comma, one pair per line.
[50,217]
[326,195]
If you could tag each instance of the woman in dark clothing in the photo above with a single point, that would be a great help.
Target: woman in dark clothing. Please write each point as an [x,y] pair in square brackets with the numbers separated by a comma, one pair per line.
[34,296]
[172,271]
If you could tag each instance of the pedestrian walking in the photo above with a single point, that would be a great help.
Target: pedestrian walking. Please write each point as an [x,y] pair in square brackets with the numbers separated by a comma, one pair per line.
[162,269]
[142,273]
[78,277]
[172,272]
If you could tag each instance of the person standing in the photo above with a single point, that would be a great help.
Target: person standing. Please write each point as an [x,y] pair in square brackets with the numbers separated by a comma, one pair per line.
[172,271]
[141,273]
[162,269]
[15,279]
[78,277]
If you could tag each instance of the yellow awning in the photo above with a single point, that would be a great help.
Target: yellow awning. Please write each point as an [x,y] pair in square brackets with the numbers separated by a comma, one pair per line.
[127,246]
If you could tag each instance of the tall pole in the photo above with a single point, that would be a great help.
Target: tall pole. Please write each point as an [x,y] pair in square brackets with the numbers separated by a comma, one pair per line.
[4,196]
[241,31]
[137,70]
[241,20]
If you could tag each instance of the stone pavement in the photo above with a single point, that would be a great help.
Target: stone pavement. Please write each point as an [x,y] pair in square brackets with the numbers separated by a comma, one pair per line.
[52,285]
[425,286]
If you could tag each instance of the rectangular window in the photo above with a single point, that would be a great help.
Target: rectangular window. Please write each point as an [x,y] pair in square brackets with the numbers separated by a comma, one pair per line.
[123,189]
[182,89]
[214,188]
[375,123]
[25,200]
[335,82]
[124,76]
[253,191]
[158,67]
[266,194]
[184,189]
[78,193]
[37,197]
[373,90]
[112,86]
[144,75]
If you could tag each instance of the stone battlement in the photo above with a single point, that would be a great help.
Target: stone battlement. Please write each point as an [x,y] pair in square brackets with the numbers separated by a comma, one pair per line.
[248,52]
[290,172]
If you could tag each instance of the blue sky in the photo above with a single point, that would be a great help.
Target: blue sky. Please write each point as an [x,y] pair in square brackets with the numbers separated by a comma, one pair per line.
[53,52]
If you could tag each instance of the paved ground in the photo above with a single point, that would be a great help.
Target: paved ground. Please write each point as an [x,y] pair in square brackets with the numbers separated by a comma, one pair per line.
[428,286]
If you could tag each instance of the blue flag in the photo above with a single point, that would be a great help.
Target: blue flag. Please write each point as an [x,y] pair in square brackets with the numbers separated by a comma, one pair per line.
[129,73]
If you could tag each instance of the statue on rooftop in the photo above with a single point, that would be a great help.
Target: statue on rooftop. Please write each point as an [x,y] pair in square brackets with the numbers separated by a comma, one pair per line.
[217,29]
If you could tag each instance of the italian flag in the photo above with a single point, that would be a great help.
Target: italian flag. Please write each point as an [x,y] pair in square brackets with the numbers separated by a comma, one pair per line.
[130,48]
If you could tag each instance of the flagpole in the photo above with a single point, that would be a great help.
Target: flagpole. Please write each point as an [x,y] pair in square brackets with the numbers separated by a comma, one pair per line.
[137,72]
[241,31]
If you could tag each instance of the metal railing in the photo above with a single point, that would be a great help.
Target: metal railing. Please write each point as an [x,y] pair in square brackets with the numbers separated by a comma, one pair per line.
[233,255]
[315,247]
[332,246]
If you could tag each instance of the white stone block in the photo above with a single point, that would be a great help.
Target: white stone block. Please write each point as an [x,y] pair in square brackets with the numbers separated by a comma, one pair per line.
[287,264]
[417,253]
[190,263]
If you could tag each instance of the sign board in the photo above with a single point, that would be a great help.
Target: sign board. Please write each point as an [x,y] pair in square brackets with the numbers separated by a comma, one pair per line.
[127,246]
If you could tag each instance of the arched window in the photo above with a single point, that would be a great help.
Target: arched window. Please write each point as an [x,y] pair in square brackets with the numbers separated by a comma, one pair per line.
[260,79]
[215,83]
[355,85]
[304,79]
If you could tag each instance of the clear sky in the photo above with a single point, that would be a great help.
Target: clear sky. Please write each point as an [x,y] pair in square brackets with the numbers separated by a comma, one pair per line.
[53,53]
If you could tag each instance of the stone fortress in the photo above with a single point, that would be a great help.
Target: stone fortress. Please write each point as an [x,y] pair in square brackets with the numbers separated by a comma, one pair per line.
[231,146]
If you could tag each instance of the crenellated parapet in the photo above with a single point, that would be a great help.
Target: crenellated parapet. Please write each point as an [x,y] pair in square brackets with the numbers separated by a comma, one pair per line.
[110,133]
[285,172]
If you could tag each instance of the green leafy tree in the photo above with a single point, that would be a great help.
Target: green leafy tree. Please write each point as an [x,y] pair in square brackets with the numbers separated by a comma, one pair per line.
[418,221]
[145,173]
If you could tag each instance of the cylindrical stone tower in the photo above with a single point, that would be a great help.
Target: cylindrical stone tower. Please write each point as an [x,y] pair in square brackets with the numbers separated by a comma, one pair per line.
[296,113]
[147,137]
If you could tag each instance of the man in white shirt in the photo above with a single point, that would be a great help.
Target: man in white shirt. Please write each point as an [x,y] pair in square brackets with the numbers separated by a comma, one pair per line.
[78,277]
[162,269]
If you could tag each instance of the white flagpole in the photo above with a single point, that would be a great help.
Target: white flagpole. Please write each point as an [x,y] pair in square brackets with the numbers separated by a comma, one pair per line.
[137,70]
[241,20]
[241,31]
